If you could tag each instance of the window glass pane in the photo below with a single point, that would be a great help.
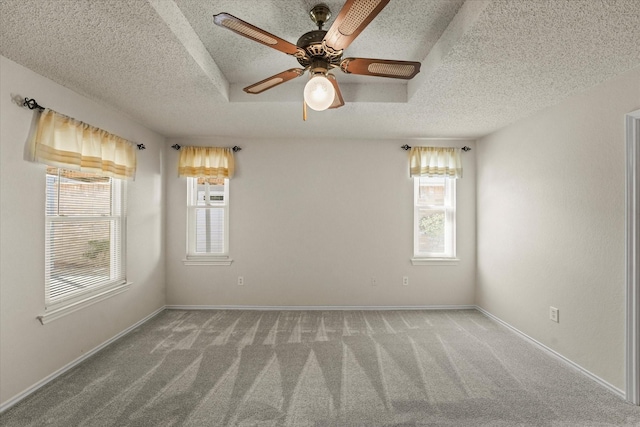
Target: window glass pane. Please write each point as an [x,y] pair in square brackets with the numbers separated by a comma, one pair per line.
[431,230]
[431,191]
[79,255]
[79,194]
[209,230]
[212,181]
[51,196]
[208,210]
[83,233]
[209,194]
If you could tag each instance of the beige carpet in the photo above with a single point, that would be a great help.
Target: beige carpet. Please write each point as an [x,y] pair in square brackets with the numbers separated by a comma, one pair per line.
[322,368]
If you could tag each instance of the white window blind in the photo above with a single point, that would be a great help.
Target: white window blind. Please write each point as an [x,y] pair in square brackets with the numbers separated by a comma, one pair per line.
[208,218]
[84,236]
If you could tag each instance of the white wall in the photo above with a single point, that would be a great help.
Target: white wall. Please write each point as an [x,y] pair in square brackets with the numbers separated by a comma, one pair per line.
[551,225]
[30,351]
[312,221]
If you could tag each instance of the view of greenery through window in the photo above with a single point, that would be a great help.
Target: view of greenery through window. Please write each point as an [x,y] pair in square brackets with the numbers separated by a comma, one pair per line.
[432,231]
[431,204]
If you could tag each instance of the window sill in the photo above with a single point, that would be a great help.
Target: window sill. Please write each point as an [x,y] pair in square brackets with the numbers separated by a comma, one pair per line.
[207,260]
[57,311]
[435,261]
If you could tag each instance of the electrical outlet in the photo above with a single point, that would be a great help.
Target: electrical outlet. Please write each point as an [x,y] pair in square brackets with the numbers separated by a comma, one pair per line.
[374,281]
[554,314]
[240,281]
[405,280]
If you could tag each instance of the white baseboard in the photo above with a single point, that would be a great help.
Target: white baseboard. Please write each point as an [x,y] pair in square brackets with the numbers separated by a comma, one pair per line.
[9,403]
[319,307]
[554,353]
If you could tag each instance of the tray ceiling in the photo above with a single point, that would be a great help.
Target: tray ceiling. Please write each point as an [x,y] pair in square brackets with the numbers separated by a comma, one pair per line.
[485,63]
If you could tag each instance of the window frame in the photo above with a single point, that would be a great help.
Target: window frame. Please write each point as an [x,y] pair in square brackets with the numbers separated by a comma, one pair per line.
[205,258]
[449,255]
[73,301]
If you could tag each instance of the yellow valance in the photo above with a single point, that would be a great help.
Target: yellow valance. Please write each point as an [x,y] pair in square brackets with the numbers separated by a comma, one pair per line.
[64,142]
[435,161]
[206,162]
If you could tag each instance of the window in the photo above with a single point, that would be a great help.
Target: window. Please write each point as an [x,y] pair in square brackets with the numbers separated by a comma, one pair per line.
[434,218]
[208,221]
[84,237]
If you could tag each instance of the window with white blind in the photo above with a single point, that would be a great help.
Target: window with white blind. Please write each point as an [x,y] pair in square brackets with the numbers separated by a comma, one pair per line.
[84,237]
[208,221]
[434,222]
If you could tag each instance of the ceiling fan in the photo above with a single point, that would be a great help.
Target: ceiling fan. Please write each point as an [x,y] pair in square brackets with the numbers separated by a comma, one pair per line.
[320,51]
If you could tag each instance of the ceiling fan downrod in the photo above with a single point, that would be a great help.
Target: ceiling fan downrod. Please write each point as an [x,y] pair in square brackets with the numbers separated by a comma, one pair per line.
[320,14]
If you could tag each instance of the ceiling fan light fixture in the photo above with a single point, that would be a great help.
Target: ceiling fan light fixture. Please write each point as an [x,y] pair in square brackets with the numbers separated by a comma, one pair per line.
[320,51]
[319,92]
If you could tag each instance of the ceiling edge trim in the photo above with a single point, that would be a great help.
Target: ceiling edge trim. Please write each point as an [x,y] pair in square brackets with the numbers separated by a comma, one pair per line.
[461,24]
[171,14]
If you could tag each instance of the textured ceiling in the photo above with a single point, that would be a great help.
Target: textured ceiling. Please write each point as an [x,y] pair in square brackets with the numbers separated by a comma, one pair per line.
[485,63]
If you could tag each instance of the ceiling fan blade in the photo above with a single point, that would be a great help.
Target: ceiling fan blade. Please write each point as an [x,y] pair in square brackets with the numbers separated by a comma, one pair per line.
[337,100]
[274,81]
[254,33]
[354,16]
[380,67]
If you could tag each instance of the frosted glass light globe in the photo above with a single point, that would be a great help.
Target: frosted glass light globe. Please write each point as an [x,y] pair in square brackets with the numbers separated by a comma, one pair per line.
[319,93]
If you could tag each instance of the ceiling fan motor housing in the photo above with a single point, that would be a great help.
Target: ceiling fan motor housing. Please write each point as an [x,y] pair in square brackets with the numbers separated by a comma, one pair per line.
[311,43]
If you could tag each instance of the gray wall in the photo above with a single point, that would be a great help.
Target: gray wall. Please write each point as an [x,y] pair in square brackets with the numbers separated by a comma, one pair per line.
[312,221]
[30,351]
[551,210]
